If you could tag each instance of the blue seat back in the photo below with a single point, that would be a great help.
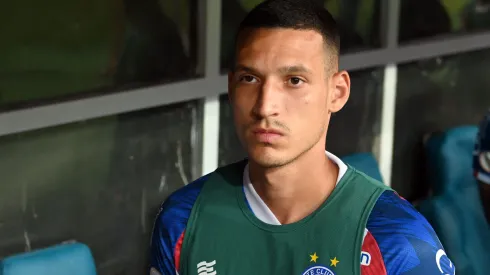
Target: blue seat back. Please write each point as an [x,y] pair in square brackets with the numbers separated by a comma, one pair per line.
[364,162]
[73,259]
[454,209]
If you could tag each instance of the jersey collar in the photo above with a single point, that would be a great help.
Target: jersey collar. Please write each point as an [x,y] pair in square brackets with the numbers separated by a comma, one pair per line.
[258,206]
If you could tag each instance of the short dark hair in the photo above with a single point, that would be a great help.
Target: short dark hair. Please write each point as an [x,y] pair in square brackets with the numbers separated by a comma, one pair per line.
[293,14]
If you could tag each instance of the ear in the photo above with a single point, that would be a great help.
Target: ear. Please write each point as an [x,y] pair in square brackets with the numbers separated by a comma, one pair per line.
[340,91]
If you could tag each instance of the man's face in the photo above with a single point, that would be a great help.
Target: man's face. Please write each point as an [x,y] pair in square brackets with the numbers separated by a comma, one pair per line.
[282,93]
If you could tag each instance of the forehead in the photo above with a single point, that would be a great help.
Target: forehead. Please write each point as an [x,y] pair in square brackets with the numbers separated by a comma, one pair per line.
[280,45]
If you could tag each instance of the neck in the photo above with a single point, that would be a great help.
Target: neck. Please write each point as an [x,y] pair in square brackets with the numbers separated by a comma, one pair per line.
[295,190]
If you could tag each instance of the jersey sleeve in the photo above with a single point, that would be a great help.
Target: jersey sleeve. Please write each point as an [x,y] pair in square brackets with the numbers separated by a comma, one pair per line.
[169,228]
[401,241]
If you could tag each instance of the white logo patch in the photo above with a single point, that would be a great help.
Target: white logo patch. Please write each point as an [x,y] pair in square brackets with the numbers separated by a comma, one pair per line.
[440,253]
[205,268]
[365,258]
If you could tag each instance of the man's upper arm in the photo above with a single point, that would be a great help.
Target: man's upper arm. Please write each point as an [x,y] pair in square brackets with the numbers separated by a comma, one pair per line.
[407,242]
[163,243]
[168,231]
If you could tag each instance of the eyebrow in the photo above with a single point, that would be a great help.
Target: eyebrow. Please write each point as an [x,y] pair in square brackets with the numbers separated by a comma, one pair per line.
[294,69]
[240,67]
[283,70]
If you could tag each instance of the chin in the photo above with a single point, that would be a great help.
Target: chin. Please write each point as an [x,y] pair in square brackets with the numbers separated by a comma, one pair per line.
[268,157]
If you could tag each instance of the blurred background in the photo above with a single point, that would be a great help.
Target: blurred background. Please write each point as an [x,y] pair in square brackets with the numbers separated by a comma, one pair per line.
[107,107]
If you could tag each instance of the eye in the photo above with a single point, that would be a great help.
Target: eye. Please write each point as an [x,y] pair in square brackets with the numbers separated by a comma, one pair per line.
[295,81]
[247,79]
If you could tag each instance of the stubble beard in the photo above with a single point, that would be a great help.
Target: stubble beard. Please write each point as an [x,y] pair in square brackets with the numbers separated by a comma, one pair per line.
[267,161]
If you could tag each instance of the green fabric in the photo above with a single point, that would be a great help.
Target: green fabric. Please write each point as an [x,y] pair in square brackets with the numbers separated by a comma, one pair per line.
[222,228]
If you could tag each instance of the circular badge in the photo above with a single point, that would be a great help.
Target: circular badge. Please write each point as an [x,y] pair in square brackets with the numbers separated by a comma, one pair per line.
[318,270]
[485,161]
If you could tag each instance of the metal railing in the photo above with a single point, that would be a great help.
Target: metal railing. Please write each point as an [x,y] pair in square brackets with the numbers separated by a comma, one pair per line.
[212,84]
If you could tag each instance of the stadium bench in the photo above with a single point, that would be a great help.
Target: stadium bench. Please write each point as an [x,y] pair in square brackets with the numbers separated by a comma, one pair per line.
[69,258]
[454,208]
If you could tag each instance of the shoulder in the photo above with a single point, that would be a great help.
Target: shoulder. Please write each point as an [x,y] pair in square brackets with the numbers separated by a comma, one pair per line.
[169,227]
[405,240]
[180,203]
[372,178]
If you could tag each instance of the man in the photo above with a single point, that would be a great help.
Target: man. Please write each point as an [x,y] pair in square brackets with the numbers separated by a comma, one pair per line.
[481,163]
[291,208]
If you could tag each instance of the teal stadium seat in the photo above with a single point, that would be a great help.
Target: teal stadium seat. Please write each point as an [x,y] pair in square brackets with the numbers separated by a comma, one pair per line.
[364,162]
[454,208]
[63,259]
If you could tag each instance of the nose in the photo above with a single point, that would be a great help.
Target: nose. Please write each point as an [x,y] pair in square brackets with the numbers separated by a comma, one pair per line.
[266,104]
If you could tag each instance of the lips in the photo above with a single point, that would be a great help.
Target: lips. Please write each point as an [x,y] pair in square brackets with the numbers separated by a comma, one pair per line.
[267,131]
[267,135]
